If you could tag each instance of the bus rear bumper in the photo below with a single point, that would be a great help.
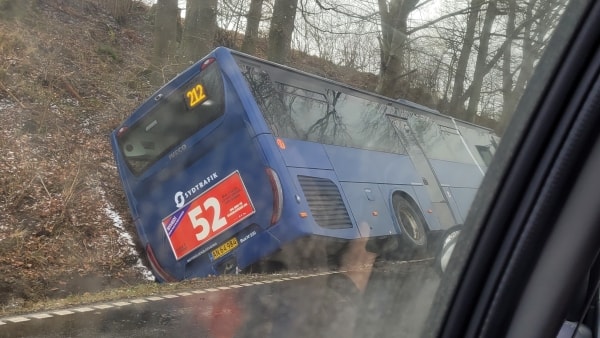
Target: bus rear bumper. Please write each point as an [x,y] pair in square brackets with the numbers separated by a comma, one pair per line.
[254,245]
[262,245]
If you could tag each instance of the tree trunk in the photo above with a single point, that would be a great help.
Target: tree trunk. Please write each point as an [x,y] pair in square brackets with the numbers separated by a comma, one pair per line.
[118,8]
[394,40]
[165,38]
[481,64]
[280,32]
[507,76]
[252,24]
[534,34]
[199,29]
[456,102]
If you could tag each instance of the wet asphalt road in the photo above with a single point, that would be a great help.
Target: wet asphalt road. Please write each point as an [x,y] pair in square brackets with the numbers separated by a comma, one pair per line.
[395,304]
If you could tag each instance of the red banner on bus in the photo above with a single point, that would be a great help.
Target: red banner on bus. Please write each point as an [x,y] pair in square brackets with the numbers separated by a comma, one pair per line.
[208,215]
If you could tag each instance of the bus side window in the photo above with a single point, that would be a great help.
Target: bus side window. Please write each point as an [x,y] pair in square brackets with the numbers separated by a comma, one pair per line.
[485,153]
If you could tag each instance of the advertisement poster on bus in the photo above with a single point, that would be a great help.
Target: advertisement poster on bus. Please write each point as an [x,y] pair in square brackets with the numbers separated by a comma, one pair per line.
[208,215]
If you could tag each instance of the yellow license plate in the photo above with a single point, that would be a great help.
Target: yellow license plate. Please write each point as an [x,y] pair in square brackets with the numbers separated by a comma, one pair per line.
[225,248]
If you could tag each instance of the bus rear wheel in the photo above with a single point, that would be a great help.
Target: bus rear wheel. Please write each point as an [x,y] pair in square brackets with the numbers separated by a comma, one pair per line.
[414,235]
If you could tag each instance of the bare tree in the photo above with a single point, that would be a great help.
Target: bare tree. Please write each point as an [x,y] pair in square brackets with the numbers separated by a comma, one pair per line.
[456,103]
[481,62]
[252,23]
[539,19]
[508,57]
[165,37]
[472,61]
[118,8]
[199,29]
[507,75]
[393,41]
[280,32]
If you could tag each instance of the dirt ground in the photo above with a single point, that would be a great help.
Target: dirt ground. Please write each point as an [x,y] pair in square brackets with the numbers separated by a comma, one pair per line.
[69,73]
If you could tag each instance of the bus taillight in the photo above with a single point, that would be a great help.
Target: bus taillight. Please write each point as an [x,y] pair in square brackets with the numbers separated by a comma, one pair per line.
[207,63]
[156,266]
[122,131]
[277,195]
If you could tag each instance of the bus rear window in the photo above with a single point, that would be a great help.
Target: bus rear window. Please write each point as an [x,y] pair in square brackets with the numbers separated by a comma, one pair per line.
[176,117]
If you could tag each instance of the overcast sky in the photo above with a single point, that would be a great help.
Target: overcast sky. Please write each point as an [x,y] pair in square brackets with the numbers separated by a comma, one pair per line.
[181,4]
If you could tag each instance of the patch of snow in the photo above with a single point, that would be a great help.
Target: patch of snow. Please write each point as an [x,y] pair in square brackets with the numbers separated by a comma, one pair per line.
[125,236]
[6,104]
[72,102]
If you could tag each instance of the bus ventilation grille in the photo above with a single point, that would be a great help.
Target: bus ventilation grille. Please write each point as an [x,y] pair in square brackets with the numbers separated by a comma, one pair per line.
[325,202]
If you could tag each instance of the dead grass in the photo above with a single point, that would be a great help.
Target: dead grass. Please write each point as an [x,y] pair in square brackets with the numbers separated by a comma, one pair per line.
[64,72]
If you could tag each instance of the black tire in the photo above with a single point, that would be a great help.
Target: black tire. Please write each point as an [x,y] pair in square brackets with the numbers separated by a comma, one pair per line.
[414,234]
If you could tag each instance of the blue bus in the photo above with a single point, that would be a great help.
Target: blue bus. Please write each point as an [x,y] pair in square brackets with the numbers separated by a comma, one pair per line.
[238,161]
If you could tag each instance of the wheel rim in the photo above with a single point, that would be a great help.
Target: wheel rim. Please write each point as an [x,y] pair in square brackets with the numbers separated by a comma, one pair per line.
[410,225]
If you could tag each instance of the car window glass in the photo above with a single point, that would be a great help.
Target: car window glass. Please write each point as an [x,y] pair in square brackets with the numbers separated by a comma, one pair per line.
[325,148]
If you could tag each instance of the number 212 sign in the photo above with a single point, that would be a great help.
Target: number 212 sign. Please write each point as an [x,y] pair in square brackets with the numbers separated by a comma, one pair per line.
[208,215]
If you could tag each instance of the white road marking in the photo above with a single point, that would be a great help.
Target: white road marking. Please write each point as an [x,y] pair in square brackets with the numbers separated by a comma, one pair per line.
[17,319]
[41,315]
[121,303]
[138,301]
[64,312]
[154,298]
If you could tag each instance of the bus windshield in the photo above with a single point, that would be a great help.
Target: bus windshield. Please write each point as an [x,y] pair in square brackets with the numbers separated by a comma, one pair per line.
[174,118]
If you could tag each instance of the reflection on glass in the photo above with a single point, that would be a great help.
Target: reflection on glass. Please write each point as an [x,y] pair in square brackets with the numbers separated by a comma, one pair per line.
[329,117]
[482,143]
[173,120]
[439,142]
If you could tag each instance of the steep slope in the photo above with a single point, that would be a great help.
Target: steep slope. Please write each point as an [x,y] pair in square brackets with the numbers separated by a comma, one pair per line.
[69,73]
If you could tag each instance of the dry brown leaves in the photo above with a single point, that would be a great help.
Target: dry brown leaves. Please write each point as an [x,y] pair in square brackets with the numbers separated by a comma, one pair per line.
[60,97]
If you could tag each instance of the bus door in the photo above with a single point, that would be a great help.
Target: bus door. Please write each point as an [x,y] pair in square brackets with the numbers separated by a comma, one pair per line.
[439,200]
